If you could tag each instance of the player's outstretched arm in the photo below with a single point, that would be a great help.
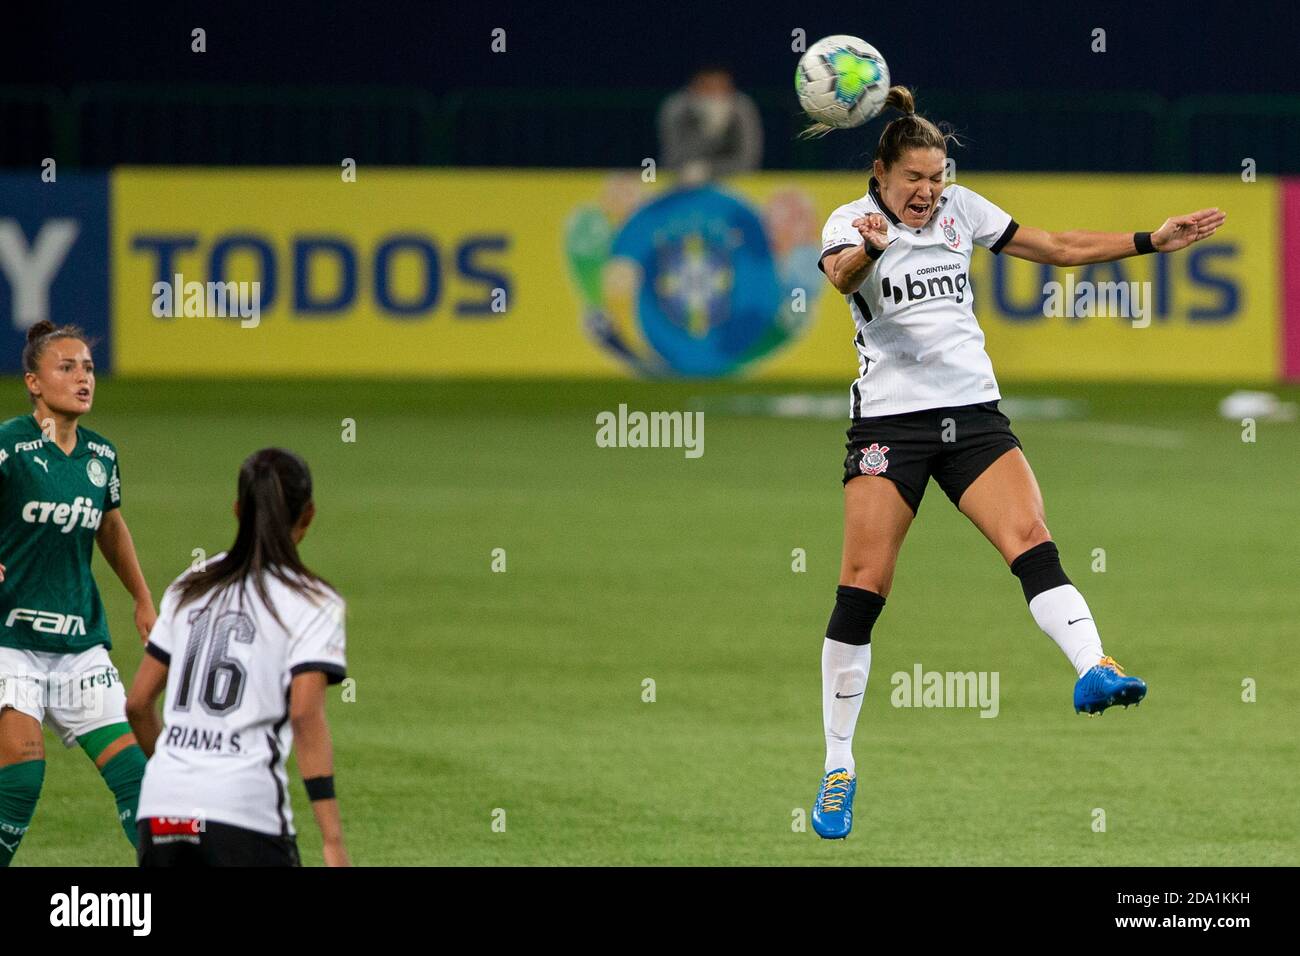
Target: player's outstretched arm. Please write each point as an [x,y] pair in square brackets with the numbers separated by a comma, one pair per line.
[119,550]
[1079,247]
[311,740]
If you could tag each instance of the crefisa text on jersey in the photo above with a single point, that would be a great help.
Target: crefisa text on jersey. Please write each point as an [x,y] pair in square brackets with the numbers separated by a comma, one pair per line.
[209,741]
[65,515]
[74,908]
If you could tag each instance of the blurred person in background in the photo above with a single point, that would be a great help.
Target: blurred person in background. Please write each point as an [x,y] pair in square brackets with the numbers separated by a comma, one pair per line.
[710,128]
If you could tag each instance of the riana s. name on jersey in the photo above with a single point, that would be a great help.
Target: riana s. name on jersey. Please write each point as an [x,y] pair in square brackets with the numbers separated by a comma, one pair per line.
[226,731]
[51,507]
[919,345]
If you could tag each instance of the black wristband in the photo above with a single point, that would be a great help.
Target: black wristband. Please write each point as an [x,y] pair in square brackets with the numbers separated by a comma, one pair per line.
[1142,242]
[320,788]
[873,253]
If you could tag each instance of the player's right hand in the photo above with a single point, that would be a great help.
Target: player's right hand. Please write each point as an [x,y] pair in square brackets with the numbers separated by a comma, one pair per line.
[2,572]
[873,229]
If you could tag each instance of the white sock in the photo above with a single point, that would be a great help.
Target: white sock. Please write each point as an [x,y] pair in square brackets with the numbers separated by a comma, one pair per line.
[844,687]
[1063,615]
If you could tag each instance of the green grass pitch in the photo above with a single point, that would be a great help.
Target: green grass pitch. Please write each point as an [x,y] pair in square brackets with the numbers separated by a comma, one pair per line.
[522,691]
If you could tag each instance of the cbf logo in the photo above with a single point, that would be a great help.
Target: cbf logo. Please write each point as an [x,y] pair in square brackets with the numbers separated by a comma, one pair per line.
[693,282]
[873,460]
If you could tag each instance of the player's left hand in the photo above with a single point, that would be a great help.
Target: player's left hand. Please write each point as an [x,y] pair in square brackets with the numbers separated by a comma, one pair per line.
[1180,231]
[145,617]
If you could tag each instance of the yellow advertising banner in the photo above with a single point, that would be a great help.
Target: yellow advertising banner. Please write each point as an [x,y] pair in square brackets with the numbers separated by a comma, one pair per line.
[530,273]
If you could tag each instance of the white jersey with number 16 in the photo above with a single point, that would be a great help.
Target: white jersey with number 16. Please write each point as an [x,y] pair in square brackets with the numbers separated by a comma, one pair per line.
[226,731]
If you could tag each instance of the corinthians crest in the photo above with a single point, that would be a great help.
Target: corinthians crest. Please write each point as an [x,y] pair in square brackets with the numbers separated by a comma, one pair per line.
[873,461]
[950,231]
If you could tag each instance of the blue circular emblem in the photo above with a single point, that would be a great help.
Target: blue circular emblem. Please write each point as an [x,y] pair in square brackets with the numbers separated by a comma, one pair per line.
[709,295]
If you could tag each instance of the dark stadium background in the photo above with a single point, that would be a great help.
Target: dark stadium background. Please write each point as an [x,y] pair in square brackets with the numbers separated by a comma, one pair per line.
[410,83]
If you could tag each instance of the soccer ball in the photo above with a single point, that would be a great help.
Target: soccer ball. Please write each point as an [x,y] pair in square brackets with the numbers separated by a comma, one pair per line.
[842,81]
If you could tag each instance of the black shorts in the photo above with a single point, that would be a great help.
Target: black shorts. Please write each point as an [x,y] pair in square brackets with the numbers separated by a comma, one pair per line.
[189,843]
[954,445]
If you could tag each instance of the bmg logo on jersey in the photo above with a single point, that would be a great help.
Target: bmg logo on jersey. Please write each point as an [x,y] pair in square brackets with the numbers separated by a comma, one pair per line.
[66,516]
[930,282]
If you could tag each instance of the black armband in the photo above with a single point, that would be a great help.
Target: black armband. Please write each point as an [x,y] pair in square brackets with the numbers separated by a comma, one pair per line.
[320,788]
[873,253]
[1142,242]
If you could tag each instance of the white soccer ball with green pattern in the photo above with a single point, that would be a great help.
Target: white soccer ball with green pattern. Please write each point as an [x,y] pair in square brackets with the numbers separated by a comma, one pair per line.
[842,81]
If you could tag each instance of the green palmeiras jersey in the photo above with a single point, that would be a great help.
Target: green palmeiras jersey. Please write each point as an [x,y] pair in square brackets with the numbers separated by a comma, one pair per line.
[51,506]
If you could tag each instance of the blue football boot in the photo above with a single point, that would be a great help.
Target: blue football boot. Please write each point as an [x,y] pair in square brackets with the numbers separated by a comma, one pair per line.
[1106,684]
[832,816]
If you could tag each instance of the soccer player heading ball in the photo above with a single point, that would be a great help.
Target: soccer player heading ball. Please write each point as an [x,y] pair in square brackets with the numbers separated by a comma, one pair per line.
[60,491]
[925,404]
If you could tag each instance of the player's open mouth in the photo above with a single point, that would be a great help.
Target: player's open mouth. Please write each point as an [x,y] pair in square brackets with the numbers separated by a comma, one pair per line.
[920,208]
[83,394]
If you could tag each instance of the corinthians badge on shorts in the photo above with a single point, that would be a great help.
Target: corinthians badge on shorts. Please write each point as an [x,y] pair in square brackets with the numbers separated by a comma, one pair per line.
[873,460]
[950,231]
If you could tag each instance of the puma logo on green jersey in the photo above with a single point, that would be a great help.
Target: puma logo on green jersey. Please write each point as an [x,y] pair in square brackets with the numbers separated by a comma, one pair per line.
[67,516]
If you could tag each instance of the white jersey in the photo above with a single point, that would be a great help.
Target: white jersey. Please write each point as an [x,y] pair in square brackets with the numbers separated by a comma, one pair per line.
[918,343]
[226,731]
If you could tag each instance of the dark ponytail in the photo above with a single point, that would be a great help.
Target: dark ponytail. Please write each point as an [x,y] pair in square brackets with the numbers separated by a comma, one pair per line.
[274,489]
[901,99]
[909,131]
